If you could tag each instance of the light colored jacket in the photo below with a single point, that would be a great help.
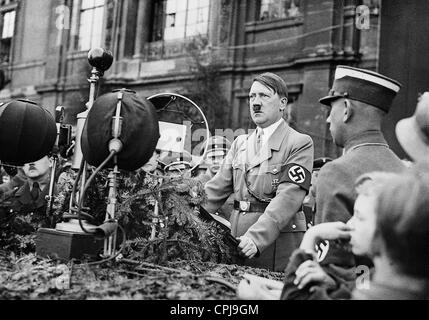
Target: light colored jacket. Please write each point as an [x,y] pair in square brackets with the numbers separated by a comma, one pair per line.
[278,230]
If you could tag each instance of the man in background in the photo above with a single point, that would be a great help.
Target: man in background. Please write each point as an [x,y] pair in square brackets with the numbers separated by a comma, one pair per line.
[30,197]
[358,102]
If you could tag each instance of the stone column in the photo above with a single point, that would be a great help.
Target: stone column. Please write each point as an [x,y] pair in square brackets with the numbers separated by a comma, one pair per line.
[122,27]
[144,15]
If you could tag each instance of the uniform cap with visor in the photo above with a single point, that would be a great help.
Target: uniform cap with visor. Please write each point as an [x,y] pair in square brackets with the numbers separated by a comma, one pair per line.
[362,85]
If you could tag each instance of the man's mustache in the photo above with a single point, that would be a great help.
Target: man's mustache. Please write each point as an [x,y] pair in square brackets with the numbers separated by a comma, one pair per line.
[257,108]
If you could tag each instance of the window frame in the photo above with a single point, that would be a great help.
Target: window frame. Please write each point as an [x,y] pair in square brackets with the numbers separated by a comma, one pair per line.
[160,20]
[12,6]
[258,12]
[76,26]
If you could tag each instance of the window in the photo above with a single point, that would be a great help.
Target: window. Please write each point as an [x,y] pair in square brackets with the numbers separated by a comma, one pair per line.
[110,24]
[279,9]
[178,19]
[91,24]
[7,32]
[8,24]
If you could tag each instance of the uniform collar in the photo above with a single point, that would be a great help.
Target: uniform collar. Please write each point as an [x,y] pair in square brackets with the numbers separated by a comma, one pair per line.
[24,187]
[42,184]
[274,143]
[268,131]
[276,138]
[369,136]
[23,193]
[43,181]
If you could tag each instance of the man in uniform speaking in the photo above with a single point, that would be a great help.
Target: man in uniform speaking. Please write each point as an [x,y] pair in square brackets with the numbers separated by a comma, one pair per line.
[269,173]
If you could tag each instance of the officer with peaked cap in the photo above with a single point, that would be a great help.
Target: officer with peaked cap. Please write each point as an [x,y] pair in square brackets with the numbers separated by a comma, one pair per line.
[217,149]
[358,102]
[413,132]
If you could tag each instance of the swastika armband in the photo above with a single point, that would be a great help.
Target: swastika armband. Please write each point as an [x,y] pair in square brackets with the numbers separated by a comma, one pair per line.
[297,174]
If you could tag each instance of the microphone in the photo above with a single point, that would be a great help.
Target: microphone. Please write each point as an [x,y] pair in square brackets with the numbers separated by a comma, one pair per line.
[120,121]
[27,132]
[100,58]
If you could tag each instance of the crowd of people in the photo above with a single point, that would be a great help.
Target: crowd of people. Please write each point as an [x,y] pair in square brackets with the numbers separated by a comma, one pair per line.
[355,227]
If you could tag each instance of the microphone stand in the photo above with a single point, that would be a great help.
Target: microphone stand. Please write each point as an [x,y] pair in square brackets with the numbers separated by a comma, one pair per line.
[100,60]
[50,196]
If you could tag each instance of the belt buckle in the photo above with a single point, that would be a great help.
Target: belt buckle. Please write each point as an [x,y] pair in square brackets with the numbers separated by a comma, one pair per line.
[244,206]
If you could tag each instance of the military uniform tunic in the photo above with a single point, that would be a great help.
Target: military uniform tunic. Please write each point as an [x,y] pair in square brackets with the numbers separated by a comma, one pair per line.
[335,189]
[257,176]
[19,201]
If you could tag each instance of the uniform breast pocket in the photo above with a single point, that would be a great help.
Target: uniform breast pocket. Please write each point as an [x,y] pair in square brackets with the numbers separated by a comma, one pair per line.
[237,174]
[270,179]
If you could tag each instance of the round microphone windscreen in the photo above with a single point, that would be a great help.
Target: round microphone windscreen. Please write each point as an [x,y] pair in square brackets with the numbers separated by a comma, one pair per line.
[27,132]
[139,134]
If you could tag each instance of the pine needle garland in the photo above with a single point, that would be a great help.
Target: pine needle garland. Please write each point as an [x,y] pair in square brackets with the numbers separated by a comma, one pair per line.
[179,231]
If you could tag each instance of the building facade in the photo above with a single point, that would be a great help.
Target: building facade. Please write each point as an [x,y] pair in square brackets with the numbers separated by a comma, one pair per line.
[162,45]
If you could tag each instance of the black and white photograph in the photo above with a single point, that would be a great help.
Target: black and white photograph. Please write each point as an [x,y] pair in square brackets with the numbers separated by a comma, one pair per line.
[214,154]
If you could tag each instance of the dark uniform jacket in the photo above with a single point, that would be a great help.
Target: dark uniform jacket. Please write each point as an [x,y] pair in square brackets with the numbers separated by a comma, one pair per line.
[345,288]
[345,282]
[18,202]
[335,189]
[277,231]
